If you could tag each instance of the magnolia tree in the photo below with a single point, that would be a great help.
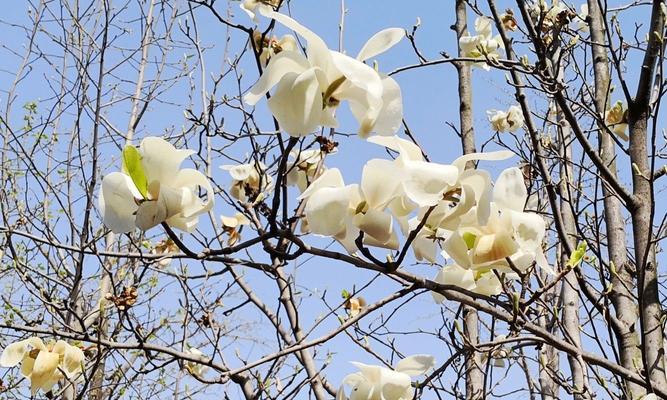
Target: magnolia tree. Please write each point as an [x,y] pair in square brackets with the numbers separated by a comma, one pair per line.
[206,199]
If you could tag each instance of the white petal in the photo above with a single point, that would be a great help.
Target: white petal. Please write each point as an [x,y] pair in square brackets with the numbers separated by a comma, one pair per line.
[380,42]
[150,214]
[193,179]
[488,284]
[375,223]
[390,118]
[318,52]
[426,182]
[330,178]
[45,371]
[281,64]
[415,365]
[456,276]
[326,210]
[297,103]
[494,247]
[394,384]
[457,249]
[529,230]
[483,26]
[161,160]
[117,202]
[14,353]
[379,182]
[510,192]
[460,162]
[407,149]
[249,6]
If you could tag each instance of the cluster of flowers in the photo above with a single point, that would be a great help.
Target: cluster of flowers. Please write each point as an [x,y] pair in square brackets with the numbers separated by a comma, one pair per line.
[481,226]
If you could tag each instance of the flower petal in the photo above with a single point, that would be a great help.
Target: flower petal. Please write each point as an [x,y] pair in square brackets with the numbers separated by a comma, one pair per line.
[193,179]
[460,162]
[377,189]
[45,371]
[318,52]
[380,42]
[281,64]
[161,160]
[407,149]
[117,202]
[14,353]
[377,224]
[330,178]
[297,103]
[326,210]
[426,182]
[456,248]
[510,192]
[456,276]
[415,365]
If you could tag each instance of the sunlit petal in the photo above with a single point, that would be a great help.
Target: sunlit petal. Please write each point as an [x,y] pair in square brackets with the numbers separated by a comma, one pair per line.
[380,42]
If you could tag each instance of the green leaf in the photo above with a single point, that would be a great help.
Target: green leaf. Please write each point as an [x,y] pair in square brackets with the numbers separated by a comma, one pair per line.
[133,168]
[345,294]
[469,238]
[577,255]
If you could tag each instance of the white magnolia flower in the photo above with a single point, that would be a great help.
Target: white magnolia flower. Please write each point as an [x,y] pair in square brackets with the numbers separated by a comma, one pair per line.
[250,6]
[231,226]
[483,282]
[271,46]
[44,365]
[354,305]
[301,172]
[617,120]
[195,368]
[309,88]
[164,247]
[483,44]
[152,188]
[373,382]
[496,230]
[249,181]
[509,121]
[549,15]
[340,211]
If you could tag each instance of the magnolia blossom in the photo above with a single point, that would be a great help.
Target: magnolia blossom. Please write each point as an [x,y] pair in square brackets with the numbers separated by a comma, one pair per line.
[152,188]
[303,169]
[450,190]
[373,382]
[166,246]
[498,230]
[549,15]
[309,88]
[44,365]
[270,46]
[484,282]
[506,121]
[250,6]
[231,225]
[250,181]
[354,305]
[483,44]
[195,368]
[341,211]
[617,120]
[508,21]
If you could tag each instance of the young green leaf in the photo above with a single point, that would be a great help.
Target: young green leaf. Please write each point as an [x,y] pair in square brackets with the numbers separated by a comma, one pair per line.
[132,167]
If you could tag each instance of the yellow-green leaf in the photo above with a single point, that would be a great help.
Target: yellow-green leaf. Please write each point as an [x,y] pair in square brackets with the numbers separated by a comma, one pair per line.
[133,168]
[577,255]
